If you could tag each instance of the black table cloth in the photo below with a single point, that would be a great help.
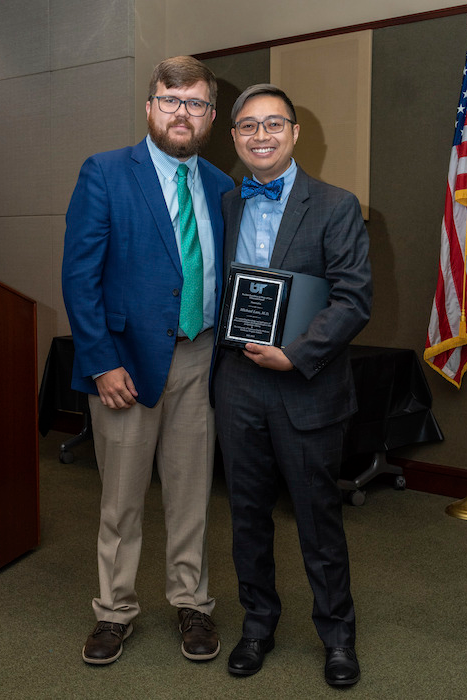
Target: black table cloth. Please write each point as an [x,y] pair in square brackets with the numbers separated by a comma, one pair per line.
[394,403]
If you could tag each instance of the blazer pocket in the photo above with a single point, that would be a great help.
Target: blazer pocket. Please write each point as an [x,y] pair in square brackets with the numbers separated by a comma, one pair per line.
[116,322]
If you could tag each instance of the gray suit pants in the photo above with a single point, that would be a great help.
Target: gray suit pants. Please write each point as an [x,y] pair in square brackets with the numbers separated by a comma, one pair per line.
[258,444]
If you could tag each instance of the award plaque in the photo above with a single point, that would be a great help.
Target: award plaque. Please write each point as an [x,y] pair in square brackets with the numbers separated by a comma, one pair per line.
[255,306]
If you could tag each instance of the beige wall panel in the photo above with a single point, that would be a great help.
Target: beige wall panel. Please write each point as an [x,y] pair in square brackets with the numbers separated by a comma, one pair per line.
[26,264]
[62,327]
[92,111]
[207,25]
[329,82]
[57,112]
[89,31]
[25,146]
[150,48]
[46,330]
[26,259]
[24,38]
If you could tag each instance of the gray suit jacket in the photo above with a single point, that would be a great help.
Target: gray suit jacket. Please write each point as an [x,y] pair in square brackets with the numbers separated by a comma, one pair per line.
[322,233]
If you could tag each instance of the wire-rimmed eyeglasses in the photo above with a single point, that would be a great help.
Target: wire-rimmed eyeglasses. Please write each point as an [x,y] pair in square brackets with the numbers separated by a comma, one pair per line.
[271,125]
[169,104]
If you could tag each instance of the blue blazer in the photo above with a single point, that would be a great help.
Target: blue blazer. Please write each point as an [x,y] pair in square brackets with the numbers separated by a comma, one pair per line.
[122,275]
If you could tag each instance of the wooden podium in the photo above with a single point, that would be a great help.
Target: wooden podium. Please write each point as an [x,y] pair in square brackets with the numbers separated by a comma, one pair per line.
[19,450]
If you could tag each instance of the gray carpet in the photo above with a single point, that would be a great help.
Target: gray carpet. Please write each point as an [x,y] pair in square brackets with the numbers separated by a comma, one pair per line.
[408,563]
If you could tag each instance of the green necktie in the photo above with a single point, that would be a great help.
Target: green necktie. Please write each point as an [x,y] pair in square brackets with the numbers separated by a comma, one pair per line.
[191,308]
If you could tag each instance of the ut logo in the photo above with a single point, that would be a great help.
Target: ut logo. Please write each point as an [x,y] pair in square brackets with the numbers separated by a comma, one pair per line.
[257,288]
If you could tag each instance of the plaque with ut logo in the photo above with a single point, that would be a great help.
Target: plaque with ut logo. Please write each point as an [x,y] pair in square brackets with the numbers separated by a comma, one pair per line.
[268,306]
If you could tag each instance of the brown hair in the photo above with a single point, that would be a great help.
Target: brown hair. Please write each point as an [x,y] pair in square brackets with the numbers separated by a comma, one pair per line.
[181,71]
[262,89]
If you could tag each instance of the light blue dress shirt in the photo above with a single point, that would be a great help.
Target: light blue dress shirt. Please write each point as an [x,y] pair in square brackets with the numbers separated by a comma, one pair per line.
[260,223]
[166,168]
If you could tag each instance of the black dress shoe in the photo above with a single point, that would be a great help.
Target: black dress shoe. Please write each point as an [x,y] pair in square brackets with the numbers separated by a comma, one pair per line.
[248,656]
[199,636]
[105,643]
[341,666]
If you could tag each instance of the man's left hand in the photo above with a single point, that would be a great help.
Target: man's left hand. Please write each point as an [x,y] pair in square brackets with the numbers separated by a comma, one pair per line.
[268,356]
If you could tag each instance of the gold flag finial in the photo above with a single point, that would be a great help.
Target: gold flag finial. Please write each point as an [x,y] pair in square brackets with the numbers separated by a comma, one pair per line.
[458,509]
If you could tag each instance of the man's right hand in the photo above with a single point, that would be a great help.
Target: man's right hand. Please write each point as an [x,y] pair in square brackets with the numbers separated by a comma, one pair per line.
[116,389]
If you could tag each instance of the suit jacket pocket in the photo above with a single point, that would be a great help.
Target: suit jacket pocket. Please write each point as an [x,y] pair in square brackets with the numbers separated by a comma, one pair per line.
[116,322]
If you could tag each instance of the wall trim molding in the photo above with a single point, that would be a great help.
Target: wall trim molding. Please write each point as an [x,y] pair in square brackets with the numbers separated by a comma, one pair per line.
[377,24]
[432,478]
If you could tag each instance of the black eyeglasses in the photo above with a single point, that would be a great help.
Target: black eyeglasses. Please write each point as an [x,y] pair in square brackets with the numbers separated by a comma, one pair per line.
[271,125]
[169,104]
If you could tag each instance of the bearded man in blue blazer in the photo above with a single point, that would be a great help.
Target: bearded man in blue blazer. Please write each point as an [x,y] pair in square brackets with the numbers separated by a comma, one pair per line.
[285,411]
[142,279]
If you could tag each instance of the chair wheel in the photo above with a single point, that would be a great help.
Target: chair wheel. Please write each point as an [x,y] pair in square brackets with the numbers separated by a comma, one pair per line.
[66,457]
[357,498]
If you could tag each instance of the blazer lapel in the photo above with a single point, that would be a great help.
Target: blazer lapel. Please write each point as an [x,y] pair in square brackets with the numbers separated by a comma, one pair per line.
[145,173]
[295,210]
[211,192]
[212,199]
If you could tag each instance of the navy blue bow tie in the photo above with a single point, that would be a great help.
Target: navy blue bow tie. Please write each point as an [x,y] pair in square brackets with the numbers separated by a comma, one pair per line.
[273,190]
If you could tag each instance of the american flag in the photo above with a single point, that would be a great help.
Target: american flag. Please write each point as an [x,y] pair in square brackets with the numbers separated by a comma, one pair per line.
[446,344]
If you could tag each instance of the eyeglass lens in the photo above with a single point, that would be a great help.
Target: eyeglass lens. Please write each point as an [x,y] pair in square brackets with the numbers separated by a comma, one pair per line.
[197,108]
[272,125]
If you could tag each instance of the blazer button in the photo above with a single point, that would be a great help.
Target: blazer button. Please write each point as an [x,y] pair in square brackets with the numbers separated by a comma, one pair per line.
[175,292]
[170,332]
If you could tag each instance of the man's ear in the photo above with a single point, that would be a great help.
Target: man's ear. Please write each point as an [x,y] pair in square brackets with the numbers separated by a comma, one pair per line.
[296,131]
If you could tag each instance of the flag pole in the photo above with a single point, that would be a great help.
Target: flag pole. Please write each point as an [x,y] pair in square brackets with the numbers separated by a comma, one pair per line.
[458,509]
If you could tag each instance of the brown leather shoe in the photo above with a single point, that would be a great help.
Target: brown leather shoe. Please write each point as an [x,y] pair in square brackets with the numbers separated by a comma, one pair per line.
[105,643]
[200,640]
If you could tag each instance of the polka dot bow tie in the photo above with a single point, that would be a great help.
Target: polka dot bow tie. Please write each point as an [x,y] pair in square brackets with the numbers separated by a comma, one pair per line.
[251,188]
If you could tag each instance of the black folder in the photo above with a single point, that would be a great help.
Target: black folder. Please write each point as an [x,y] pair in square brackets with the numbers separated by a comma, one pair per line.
[308,296]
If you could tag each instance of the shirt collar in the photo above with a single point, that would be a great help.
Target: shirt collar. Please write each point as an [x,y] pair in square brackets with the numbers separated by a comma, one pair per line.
[166,164]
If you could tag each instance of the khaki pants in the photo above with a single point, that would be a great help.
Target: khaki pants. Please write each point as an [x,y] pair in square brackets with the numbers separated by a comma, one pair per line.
[180,431]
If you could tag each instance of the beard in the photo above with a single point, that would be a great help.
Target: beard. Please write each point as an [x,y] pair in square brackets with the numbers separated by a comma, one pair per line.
[174,148]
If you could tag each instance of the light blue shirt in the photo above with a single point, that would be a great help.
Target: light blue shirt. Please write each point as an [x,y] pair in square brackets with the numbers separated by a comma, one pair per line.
[260,223]
[166,169]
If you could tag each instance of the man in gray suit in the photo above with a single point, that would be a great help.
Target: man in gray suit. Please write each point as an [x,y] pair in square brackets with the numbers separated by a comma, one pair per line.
[285,411]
